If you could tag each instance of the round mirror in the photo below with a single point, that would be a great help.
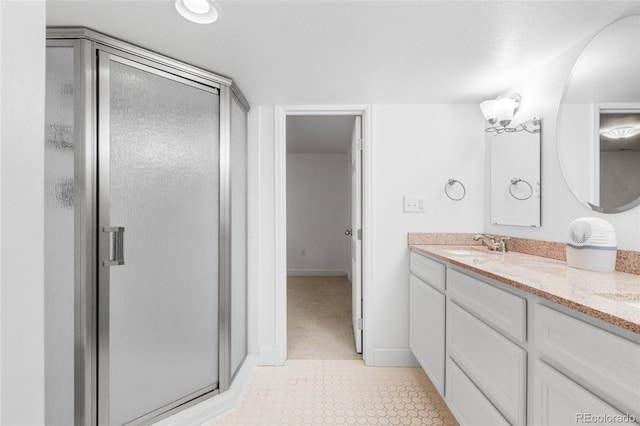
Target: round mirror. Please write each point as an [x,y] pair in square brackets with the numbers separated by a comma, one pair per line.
[599,120]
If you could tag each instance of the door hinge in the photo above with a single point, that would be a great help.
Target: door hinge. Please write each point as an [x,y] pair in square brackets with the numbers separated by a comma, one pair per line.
[359,144]
[359,234]
[359,323]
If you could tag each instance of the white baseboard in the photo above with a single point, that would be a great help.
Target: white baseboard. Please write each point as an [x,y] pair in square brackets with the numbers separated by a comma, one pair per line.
[317,272]
[215,406]
[269,356]
[393,358]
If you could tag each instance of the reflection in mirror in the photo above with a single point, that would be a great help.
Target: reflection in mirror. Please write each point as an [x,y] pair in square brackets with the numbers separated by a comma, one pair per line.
[515,176]
[599,120]
[619,157]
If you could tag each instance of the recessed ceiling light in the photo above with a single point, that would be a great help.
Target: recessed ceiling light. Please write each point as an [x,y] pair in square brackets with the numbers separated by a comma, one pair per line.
[198,11]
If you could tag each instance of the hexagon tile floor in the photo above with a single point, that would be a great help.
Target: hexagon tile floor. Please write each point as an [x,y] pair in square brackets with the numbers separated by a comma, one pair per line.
[332,392]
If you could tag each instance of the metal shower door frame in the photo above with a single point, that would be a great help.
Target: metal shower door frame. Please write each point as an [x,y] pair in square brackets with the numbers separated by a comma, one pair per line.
[105,56]
[86,44]
[85,225]
[237,98]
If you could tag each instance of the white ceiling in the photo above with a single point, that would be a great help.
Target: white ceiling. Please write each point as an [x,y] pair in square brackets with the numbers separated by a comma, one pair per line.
[356,52]
[319,134]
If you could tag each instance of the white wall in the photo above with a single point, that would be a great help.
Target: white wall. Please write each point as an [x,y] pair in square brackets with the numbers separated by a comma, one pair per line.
[542,93]
[253,234]
[415,150]
[22,45]
[317,214]
[262,120]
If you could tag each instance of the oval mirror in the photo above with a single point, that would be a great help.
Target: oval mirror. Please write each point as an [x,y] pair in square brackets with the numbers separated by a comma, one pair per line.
[599,120]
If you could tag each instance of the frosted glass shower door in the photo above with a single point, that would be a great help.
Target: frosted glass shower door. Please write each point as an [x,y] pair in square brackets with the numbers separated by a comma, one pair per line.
[59,235]
[158,166]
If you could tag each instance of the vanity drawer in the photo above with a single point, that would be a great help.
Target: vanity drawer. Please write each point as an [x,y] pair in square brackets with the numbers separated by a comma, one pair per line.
[608,364]
[467,403]
[494,363]
[503,310]
[429,271]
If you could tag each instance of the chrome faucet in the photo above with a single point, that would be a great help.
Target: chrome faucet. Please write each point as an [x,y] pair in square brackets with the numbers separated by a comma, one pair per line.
[493,243]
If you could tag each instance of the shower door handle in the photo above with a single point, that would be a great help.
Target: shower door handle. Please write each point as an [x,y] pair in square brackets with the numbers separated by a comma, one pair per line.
[116,246]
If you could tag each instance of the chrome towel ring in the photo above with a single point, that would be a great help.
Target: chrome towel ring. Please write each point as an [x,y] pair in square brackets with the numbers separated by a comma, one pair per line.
[515,182]
[452,182]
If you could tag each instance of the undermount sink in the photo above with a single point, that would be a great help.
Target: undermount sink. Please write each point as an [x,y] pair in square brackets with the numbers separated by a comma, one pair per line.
[459,251]
[466,251]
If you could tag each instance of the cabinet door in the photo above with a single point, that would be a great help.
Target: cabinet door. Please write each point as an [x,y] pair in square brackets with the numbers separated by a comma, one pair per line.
[557,400]
[426,329]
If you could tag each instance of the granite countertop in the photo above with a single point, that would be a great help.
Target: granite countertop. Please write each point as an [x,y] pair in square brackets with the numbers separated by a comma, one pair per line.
[613,297]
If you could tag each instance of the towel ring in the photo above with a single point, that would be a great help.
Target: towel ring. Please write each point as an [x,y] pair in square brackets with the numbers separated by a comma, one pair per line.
[452,182]
[516,181]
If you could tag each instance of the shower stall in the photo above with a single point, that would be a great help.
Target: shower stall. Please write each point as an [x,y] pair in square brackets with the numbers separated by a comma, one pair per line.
[145,232]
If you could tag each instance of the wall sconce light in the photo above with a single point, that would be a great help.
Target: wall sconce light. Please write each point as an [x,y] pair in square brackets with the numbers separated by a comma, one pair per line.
[500,111]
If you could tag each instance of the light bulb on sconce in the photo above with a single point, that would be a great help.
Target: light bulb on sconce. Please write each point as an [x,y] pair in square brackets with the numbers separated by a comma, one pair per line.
[489,111]
[506,108]
[500,111]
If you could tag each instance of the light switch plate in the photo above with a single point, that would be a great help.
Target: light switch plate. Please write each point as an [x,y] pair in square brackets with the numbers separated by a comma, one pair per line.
[415,204]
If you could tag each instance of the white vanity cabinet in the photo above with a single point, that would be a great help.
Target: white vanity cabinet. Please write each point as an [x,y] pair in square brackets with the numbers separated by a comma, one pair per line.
[582,370]
[501,355]
[483,325]
[427,317]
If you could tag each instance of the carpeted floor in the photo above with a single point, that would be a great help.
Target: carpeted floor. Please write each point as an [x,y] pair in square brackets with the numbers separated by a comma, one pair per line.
[319,318]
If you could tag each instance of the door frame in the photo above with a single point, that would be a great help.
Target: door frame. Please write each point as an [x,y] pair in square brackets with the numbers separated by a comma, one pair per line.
[280,154]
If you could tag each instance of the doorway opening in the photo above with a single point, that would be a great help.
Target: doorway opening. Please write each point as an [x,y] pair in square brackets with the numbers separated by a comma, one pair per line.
[324,236]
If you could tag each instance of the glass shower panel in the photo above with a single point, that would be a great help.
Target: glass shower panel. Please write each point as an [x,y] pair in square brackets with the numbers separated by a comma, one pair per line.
[238,235]
[164,184]
[59,236]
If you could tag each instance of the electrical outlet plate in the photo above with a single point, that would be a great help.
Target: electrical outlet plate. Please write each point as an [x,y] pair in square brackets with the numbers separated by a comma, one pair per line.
[415,204]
